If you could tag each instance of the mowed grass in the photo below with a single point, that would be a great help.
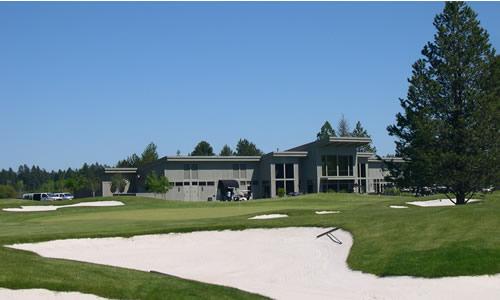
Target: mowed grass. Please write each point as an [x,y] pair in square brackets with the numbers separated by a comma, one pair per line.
[425,242]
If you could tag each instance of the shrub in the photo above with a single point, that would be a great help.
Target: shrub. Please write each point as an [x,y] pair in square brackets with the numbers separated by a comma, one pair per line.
[281,192]
[7,191]
[392,191]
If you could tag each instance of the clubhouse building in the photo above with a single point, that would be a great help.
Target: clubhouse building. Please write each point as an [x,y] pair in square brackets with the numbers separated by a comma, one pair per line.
[320,166]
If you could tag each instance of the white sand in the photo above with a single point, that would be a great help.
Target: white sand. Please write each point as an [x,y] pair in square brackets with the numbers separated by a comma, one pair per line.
[271,216]
[438,202]
[286,263]
[43,294]
[398,206]
[326,212]
[32,208]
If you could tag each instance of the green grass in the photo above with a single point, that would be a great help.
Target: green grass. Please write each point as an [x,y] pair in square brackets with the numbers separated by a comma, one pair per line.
[426,242]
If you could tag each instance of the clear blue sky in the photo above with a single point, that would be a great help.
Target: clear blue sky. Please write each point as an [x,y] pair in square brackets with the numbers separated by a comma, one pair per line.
[86,82]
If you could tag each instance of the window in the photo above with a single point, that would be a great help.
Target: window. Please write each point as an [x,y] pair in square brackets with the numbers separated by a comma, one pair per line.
[202,183]
[194,183]
[210,183]
[278,169]
[280,184]
[343,165]
[289,170]
[186,182]
[290,186]
[255,182]
[332,165]
[178,183]
[361,170]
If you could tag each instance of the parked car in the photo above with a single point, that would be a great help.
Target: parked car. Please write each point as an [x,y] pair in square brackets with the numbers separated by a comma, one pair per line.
[489,189]
[65,196]
[53,196]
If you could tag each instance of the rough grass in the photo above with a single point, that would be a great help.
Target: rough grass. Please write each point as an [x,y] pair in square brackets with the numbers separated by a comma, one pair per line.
[417,241]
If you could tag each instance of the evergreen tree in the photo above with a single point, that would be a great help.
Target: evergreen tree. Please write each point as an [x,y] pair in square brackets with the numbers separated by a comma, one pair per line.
[343,127]
[226,151]
[325,132]
[359,131]
[149,154]
[448,131]
[247,148]
[157,184]
[203,149]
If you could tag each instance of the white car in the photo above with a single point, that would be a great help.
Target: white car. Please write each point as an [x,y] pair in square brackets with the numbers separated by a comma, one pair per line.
[54,196]
[65,196]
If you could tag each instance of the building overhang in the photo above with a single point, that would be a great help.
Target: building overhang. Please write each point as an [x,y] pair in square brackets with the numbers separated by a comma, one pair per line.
[120,170]
[213,158]
[289,154]
[346,141]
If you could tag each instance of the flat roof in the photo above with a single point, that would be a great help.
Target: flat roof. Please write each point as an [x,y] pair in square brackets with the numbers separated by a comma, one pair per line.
[186,158]
[289,154]
[120,170]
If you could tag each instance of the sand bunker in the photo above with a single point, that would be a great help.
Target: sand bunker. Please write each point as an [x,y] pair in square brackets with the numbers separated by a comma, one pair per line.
[326,212]
[43,294]
[398,206]
[438,202]
[31,208]
[286,263]
[265,217]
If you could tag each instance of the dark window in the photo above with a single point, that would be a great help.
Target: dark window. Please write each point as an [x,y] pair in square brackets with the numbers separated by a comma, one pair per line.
[194,183]
[343,165]
[278,168]
[186,182]
[332,165]
[178,183]
[203,183]
[290,186]
[289,170]
[280,184]
[210,183]
[255,182]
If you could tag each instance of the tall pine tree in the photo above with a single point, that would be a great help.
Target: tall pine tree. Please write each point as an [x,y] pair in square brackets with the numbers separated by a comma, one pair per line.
[448,131]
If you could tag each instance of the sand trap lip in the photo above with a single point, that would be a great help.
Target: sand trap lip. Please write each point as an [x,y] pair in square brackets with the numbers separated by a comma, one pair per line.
[326,212]
[285,263]
[398,206]
[32,208]
[44,294]
[438,202]
[266,217]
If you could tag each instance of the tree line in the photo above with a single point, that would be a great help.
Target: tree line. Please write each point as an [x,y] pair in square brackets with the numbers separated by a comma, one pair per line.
[84,181]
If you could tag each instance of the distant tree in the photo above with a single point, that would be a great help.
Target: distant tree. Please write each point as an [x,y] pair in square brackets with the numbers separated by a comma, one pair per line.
[149,154]
[325,132]
[157,184]
[247,148]
[7,191]
[359,131]
[226,151]
[343,127]
[118,183]
[448,130]
[203,148]
[178,153]
[74,183]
